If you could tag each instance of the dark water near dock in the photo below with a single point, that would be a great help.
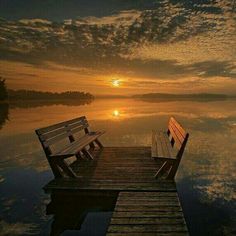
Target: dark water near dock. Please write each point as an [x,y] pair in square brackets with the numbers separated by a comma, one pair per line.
[205,180]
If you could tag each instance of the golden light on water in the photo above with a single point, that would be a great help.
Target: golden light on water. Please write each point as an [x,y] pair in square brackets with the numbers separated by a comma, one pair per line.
[116,113]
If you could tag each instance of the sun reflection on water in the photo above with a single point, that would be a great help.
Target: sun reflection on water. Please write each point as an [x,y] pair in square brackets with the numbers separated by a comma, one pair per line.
[116,113]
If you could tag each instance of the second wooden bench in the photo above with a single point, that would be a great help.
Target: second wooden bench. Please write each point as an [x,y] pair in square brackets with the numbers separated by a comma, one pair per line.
[169,146]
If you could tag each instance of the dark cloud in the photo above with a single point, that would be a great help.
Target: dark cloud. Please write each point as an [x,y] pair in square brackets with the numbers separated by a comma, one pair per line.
[214,68]
[105,43]
[58,10]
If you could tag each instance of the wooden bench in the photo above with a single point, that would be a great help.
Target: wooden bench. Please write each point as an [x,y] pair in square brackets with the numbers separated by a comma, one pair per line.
[65,132]
[169,146]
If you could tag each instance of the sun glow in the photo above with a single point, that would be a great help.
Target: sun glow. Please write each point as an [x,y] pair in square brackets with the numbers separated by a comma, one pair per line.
[115,83]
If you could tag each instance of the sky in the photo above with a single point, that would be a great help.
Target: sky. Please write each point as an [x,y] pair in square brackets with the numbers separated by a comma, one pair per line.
[119,46]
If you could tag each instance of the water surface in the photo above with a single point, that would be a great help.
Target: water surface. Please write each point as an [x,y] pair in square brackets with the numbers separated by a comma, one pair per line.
[205,180]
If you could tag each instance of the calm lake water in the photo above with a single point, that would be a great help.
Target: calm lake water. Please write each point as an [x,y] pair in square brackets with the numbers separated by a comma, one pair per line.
[206,179]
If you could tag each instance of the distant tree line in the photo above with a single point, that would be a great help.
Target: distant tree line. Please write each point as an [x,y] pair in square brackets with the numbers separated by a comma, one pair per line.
[153,97]
[38,95]
[181,96]
[19,95]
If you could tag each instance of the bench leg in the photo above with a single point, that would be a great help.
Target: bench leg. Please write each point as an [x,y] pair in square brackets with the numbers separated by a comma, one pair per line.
[87,154]
[92,145]
[78,156]
[68,171]
[56,171]
[163,169]
[55,229]
[173,171]
[98,143]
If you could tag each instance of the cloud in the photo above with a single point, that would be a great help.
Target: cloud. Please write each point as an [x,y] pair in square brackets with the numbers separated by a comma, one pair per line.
[171,41]
[124,18]
[17,228]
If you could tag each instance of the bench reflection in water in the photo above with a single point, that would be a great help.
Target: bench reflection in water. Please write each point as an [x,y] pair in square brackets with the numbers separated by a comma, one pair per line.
[4,112]
[87,213]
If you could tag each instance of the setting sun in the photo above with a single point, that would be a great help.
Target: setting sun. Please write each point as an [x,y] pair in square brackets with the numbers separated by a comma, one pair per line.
[115,83]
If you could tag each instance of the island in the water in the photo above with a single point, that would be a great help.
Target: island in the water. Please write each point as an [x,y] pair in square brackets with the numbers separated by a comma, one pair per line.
[160,97]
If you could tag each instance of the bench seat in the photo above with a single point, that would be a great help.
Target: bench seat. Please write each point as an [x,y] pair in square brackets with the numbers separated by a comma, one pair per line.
[75,147]
[161,147]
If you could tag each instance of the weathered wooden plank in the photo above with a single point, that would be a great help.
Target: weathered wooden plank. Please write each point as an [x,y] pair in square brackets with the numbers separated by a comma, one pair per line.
[177,132]
[161,146]
[154,144]
[64,129]
[171,152]
[178,142]
[178,126]
[148,199]
[111,187]
[128,165]
[166,152]
[53,133]
[147,213]
[78,145]
[55,139]
[149,234]
[150,195]
[88,138]
[156,208]
[149,202]
[59,125]
[146,221]
[121,171]
[115,169]
[112,182]
[146,228]
[117,174]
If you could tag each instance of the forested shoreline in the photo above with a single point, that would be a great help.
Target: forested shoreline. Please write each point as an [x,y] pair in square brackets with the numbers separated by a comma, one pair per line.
[33,95]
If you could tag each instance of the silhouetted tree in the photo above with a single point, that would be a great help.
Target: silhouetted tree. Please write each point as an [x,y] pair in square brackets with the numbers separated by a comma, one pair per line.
[3,89]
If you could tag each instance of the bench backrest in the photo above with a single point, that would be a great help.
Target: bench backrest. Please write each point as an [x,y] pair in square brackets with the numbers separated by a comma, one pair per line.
[52,134]
[177,134]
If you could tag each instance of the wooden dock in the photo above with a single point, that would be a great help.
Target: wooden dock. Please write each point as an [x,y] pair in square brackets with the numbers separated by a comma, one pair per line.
[147,213]
[145,205]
